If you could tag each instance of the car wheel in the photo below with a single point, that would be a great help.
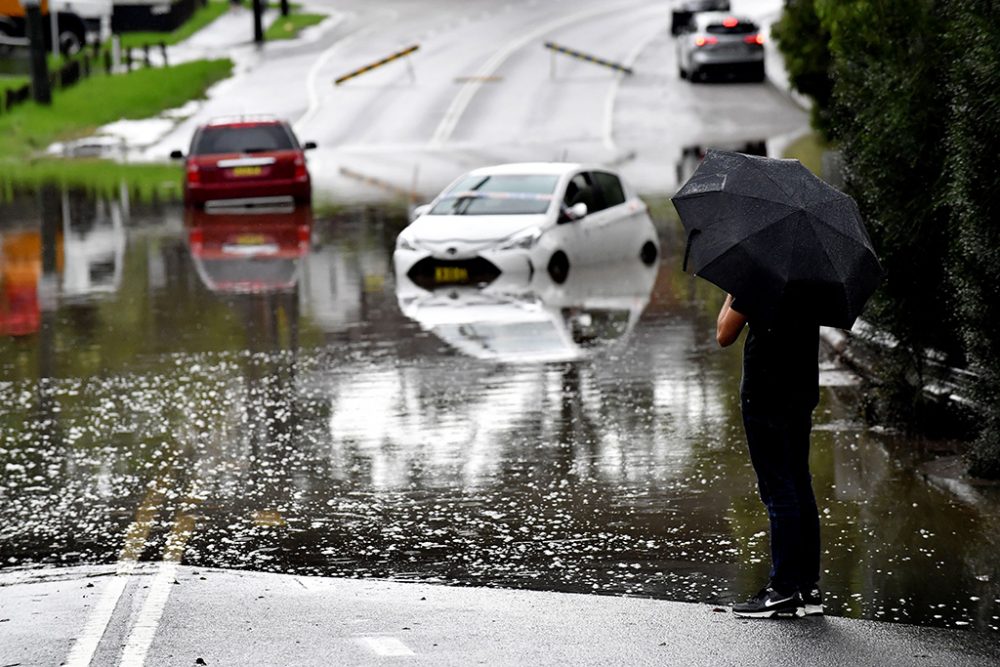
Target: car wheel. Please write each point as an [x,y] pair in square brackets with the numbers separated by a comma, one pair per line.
[696,76]
[558,267]
[72,34]
[681,72]
[648,253]
[759,73]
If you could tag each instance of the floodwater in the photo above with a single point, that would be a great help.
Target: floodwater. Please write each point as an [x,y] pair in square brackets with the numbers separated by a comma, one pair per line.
[260,392]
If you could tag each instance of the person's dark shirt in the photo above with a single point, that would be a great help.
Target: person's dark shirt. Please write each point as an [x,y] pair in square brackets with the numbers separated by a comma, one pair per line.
[781,368]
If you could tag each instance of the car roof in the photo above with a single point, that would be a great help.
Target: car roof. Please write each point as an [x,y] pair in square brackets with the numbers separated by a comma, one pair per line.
[243,120]
[553,168]
[539,168]
[708,18]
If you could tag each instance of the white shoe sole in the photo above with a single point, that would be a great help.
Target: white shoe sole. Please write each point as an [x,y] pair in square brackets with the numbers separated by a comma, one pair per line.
[813,610]
[771,613]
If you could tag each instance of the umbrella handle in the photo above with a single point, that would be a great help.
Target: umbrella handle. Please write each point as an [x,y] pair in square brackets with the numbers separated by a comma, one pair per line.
[687,249]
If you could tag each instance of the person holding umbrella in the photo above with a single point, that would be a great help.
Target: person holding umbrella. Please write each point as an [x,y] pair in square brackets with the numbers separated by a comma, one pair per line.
[793,253]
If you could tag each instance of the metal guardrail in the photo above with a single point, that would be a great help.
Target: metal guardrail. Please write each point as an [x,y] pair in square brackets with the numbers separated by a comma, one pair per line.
[586,57]
[378,63]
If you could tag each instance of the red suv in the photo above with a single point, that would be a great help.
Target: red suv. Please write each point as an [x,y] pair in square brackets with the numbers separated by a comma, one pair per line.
[246,161]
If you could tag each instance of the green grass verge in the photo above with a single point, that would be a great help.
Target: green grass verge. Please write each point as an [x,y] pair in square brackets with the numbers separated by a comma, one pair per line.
[289,27]
[101,99]
[143,181]
[80,110]
[201,18]
[11,82]
[808,149]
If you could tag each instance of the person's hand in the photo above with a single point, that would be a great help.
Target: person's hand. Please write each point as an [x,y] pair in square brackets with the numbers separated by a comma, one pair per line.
[729,324]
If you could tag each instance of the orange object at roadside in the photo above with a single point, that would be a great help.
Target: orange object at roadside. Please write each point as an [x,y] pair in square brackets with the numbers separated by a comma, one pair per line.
[20,269]
[15,8]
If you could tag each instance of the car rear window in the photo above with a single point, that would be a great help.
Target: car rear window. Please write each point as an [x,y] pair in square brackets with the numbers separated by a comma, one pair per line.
[502,194]
[740,28]
[246,139]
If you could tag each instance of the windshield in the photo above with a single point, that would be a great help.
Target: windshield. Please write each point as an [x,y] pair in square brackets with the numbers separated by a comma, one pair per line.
[245,139]
[505,194]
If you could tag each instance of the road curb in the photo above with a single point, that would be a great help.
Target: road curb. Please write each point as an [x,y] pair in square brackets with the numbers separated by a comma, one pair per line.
[225,617]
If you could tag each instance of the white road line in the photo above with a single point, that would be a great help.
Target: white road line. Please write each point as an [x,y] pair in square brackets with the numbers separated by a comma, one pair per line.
[141,637]
[311,78]
[461,101]
[144,630]
[97,623]
[387,646]
[86,644]
[609,101]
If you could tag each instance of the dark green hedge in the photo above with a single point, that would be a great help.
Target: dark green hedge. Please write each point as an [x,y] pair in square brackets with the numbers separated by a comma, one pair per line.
[910,92]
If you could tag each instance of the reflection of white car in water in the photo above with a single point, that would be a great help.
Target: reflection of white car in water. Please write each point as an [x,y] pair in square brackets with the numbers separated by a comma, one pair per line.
[517,219]
[594,308]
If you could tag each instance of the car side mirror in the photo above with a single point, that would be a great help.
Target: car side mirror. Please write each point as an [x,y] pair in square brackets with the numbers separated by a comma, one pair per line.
[309,145]
[571,213]
[419,211]
[176,155]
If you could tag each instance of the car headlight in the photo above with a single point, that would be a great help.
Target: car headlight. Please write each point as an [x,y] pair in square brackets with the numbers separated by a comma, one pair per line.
[523,240]
[403,243]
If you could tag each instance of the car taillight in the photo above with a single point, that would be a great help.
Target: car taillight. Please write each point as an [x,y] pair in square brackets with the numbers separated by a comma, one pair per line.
[754,39]
[705,41]
[300,168]
[305,235]
[193,175]
[730,22]
[196,237]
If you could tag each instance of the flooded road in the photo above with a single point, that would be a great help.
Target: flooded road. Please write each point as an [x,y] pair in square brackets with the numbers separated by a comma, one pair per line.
[260,392]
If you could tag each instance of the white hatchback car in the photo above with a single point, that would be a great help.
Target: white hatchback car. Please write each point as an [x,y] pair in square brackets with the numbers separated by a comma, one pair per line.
[515,219]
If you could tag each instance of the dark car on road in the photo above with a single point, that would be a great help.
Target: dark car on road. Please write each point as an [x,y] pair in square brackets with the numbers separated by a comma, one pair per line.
[246,161]
[683,12]
[720,43]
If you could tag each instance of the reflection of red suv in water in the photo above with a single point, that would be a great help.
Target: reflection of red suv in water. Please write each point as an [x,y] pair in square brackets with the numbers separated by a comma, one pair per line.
[249,250]
[246,160]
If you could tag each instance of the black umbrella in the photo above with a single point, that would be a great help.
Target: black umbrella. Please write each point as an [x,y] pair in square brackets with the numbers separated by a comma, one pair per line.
[779,239]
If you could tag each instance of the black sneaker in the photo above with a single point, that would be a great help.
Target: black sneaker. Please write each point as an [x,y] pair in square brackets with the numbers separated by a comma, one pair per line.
[812,601]
[770,603]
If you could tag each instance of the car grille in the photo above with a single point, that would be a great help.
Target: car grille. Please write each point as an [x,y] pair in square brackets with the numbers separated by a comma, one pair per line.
[431,273]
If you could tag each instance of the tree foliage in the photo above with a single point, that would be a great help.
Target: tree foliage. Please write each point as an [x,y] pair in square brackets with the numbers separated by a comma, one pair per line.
[804,42]
[914,106]
[971,195]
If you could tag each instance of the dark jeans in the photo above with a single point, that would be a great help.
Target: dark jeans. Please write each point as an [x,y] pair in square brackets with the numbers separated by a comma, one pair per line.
[779,451]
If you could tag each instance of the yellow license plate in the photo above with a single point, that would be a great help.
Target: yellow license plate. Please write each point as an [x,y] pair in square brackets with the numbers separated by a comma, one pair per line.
[251,239]
[450,274]
[242,172]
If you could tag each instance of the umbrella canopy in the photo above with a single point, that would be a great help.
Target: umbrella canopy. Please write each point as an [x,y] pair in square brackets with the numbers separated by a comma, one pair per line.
[780,240]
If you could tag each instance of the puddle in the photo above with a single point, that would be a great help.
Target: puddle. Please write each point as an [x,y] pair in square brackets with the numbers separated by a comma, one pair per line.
[268,376]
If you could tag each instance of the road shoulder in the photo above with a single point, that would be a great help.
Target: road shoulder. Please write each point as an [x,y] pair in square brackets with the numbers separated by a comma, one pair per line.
[226,617]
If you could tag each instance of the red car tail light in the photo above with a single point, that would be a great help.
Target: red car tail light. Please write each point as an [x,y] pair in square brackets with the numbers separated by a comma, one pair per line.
[300,168]
[754,39]
[305,235]
[193,174]
[730,22]
[196,237]
[705,41]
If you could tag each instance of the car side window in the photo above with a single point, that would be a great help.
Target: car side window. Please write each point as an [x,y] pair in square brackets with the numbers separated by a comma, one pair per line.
[610,188]
[580,189]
